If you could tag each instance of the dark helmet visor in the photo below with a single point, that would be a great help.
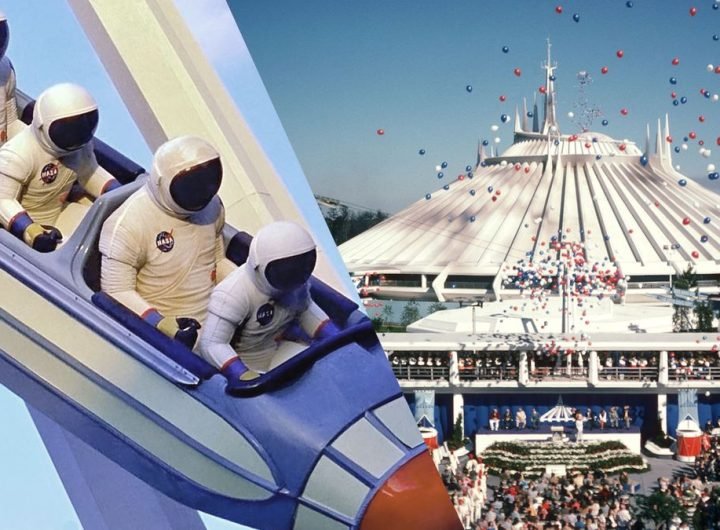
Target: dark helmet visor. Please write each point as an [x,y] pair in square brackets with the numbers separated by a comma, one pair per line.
[74,132]
[289,273]
[4,37]
[194,188]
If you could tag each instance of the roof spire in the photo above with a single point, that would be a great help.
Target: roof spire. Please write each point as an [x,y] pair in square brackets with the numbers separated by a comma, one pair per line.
[480,154]
[550,118]
[525,115]
[518,126]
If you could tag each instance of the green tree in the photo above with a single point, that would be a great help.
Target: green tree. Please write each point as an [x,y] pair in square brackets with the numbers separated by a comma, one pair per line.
[456,439]
[345,224]
[704,316]
[387,314]
[659,508]
[411,313]
[435,307]
[681,315]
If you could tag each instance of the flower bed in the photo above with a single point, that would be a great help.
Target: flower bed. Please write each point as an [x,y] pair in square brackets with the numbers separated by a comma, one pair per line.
[532,457]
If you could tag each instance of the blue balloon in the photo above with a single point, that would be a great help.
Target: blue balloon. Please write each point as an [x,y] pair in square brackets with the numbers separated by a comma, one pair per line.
[427,196]
[470,174]
[472,218]
[607,238]
[594,139]
[707,220]
[703,239]
[443,164]
[530,114]
[576,17]
[677,148]
[683,100]
[682,182]
[629,3]
[446,187]
[472,192]
[504,118]
[714,175]
[598,157]
[485,142]
[716,37]
[685,139]
[706,93]
[490,189]
[553,78]
[676,102]
[643,160]
[468,168]
[440,175]
[483,164]
[716,6]
[605,122]
[557,142]
[505,49]
[673,80]
[421,152]
[468,88]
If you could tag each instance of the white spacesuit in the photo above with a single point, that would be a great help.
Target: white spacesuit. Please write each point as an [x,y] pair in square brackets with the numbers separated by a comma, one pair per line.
[10,125]
[253,310]
[163,249]
[45,162]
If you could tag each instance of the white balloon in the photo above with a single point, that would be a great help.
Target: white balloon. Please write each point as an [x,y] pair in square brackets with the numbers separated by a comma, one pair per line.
[709,68]
[497,140]
[711,167]
[707,153]
[684,147]
[677,168]
[571,114]
[438,168]
[494,128]
[715,98]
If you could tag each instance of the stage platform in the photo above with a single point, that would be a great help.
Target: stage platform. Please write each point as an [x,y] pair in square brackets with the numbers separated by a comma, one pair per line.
[629,437]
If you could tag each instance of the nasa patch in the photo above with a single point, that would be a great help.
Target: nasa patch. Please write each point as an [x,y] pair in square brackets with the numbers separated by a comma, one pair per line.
[164,241]
[265,314]
[49,173]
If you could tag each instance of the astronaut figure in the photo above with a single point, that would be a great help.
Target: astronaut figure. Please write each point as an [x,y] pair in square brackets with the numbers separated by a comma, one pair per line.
[45,162]
[163,249]
[10,125]
[253,312]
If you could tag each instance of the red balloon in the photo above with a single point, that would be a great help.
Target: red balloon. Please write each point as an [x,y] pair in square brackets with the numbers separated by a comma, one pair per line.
[717,69]
[675,61]
[701,118]
[718,140]
[622,147]
[695,254]
[542,89]
[673,95]
[517,72]
[624,111]
[380,132]
[558,9]
[527,169]
[668,139]
[620,54]
[502,98]
[692,135]
[494,198]
[686,221]
[701,142]
[604,70]
[693,11]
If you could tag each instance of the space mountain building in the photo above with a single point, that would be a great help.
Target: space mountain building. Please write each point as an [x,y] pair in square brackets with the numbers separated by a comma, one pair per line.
[623,203]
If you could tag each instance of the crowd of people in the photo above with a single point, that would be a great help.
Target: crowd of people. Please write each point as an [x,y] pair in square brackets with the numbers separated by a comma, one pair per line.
[613,417]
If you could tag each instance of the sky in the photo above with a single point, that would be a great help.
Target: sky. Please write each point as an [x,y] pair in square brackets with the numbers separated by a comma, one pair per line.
[339,70]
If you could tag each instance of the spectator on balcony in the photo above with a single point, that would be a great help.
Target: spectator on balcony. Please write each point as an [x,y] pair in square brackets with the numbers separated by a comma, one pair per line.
[590,419]
[614,418]
[520,419]
[535,419]
[602,419]
[579,424]
[626,416]
[494,420]
[507,420]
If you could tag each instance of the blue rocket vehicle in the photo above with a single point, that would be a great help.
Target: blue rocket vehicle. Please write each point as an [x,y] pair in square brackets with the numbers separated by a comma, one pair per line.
[324,441]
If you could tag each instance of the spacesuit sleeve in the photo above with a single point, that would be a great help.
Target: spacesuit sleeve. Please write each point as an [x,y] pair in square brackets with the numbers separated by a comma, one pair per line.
[15,172]
[122,257]
[227,310]
[94,179]
[313,319]
[223,265]
[14,125]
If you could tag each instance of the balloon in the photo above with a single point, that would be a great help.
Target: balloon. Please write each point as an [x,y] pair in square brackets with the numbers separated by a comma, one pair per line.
[428,196]
[707,220]
[622,147]
[472,192]
[717,69]
[668,139]
[692,135]
[421,152]
[380,132]
[576,17]
[620,54]
[686,221]
[675,61]
[468,168]
[703,239]
[604,70]
[571,114]
[472,218]
[701,118]
[558,9]
[494,128]
[468,88]
[624,111]
[517,72]
[494,198]
[542,89]
[443,164]
[676,102]
[446,187]
[682,182]
[695,254]
[716,37]
[710,167]
[643,160]
[502,98]
[717,141]
[677,149]
[485,143]
[490,189]
[629,3]
[693,11]
[505,49]
[673,80]
[440,174]
[683,100]
[496,140]
[605,122]
[710,68]
[504,118]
